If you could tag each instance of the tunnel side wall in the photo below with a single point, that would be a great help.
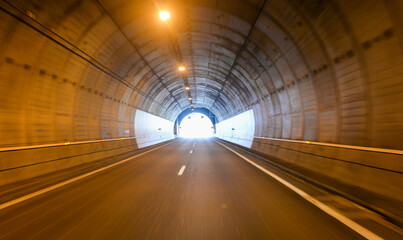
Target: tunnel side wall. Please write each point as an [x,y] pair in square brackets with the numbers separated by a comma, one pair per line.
[21,163]
[239,129]
[369,175]
[25,163]
[151,129]
[60,88]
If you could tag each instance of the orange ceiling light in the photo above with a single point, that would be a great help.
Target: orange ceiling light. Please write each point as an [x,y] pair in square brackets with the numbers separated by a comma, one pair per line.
[190,98]
[187,88]
[182,68]
[164,15]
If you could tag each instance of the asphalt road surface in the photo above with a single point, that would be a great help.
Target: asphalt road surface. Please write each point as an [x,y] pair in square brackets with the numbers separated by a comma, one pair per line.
[188,189]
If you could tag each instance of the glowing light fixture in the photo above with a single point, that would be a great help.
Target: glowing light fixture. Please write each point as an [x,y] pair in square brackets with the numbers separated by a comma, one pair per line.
[187,88]
[164,15]
[190,98]
[191,105]
[182,68]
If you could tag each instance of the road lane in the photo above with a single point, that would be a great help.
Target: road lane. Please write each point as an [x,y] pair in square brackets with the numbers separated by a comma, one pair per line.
[218,196]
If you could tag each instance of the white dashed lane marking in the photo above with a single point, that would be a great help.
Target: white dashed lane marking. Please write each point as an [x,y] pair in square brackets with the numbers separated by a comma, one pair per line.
[181,170]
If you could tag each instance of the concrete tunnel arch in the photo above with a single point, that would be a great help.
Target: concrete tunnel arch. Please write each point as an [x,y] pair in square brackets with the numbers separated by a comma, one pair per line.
[99,77]
[317,75]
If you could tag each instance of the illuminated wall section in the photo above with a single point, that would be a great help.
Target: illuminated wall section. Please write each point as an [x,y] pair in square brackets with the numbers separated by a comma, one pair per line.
[150,129]
[239,129]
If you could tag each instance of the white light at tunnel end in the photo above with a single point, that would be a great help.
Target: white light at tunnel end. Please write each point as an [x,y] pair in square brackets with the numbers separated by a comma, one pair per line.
[164,15]
[196,125]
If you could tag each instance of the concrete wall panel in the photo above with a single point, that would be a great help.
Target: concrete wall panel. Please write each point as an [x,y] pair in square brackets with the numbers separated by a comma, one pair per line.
[239,129]
[151,129]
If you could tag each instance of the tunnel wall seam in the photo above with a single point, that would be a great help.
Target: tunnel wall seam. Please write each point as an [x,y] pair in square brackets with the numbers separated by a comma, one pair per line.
[61,158]
[18,165]
[7,149]
[333,158]
[360,148]
[25,164]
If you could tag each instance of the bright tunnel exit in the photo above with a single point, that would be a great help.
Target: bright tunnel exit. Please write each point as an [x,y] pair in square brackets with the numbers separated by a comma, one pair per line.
[196,125]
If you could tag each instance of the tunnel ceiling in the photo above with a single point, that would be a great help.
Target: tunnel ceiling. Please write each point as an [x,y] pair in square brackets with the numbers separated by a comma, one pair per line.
[215,40]
[212,39]
[328,71]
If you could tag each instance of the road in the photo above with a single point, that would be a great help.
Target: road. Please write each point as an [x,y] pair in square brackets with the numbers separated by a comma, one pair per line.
[188,189]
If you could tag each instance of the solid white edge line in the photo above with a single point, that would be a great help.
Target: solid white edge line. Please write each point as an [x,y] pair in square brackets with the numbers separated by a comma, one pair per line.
[181,170]
[343,219]
[50,188]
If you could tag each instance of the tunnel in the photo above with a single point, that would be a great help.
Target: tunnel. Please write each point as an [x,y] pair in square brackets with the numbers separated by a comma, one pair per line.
[308,92]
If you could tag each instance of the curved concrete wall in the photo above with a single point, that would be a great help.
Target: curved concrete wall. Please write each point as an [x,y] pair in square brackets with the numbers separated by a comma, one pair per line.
[61,102]
[331,71]
[326,71]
